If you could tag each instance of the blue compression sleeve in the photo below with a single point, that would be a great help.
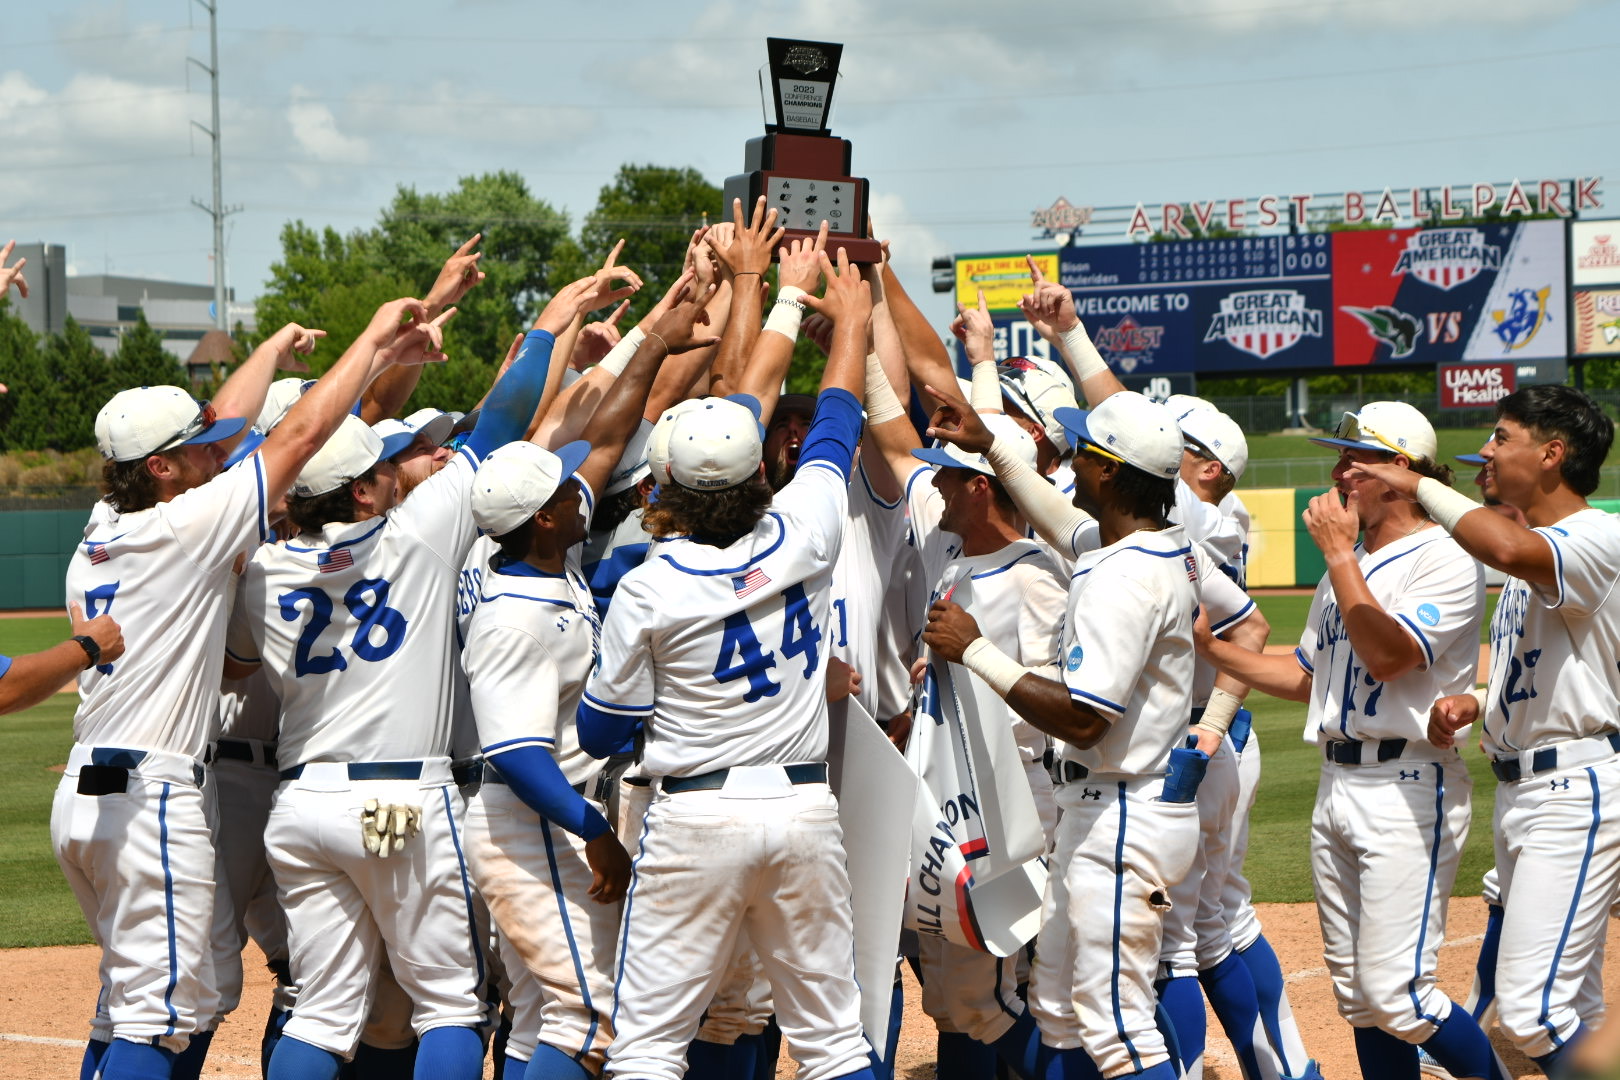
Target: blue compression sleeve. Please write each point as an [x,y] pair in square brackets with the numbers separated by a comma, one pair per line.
[834,431]
[534,775]
[510,406]
[603,733]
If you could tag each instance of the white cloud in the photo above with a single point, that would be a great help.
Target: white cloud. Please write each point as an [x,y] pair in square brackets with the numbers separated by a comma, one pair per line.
[102,37]
[315,130]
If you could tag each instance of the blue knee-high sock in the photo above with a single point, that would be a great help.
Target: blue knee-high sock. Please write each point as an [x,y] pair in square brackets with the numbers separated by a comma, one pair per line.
[766,1048]
[1020,1047]
[127,1060]
[272,1034]
[508,1066]
[1485,966]
[450,1053]
[188,1063]
[1462,1048]
[93,1053]
[1183,1004]
[550,1063]
[962,1057]
[1383,1056]
[884,1069]
[1230,989]
[1553,1064]
[709,1061]
[295,1059]
[1266,972]
[497,1049]
[1076,1064]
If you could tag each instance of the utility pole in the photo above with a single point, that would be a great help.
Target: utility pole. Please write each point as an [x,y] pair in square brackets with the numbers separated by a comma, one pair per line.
[217,210]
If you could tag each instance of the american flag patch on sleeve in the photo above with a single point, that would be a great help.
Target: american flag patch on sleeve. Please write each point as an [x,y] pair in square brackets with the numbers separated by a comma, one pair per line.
[98,552]
[337,559]
[1192,568]
[750,582]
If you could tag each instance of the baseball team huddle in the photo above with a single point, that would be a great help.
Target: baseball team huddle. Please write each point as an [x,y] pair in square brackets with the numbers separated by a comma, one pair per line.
[513,727]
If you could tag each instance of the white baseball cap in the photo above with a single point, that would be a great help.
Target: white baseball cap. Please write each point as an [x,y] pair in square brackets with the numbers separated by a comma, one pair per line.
[1390,427]
[517,479]
[1039,388]
[1182,404]
[278,402]
[1006,431]
[151,419]
[1129,428]
[632,464]
[658,441]
[1218,436]
[353,448]
[434,423]
[714,446]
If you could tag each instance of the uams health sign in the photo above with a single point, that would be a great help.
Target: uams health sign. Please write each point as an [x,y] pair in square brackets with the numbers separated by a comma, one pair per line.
[1470,386]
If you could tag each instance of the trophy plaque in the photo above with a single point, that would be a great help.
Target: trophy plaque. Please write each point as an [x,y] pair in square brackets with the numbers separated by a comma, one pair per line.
[800,167]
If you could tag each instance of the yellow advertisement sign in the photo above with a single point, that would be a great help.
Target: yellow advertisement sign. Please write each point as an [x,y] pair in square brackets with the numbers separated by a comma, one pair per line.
[1597,322]
[1004,278]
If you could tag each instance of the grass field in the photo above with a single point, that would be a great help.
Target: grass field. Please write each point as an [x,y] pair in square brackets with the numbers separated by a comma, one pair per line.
[36,907]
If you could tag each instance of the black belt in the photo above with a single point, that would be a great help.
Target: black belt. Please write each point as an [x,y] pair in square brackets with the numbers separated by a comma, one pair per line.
[811,772]
[1543,760]
[1066,772]
[369,770]
[1348,751]
[242,750]
[467,772]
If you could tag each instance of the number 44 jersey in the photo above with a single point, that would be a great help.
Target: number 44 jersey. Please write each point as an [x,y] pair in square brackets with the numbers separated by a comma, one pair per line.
[723,651]
[355,627]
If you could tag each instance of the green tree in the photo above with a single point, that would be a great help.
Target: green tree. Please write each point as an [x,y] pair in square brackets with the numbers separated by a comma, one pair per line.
[80,380]
[25,409]
[654,208]
[141,360]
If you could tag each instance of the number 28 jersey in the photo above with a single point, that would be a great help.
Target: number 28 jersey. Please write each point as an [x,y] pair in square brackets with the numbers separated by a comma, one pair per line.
[723,651]
[355,627]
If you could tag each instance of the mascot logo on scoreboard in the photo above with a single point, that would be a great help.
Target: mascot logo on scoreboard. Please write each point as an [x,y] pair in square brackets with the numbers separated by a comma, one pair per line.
[1446,258]
[1264,322]
[1128,344]
[1525,315]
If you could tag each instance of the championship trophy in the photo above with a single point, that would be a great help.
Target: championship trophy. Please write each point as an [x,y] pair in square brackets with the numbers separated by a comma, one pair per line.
[800,167]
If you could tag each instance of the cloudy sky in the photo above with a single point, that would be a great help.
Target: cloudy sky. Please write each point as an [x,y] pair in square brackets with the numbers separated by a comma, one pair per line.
[964,116]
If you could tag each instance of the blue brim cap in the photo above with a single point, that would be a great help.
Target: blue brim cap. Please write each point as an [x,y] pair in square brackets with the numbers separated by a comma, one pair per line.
[1352,444]
[941,458]
[395,443]
[219,430]
[1074,423]
[571,456]
[1471,459]
[250,442]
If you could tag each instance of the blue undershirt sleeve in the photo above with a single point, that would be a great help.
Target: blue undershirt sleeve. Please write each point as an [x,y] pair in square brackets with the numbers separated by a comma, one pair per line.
[834,431]
[510,406]
[534,775]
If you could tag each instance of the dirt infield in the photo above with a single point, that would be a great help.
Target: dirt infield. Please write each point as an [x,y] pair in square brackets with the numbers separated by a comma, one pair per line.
[46,996]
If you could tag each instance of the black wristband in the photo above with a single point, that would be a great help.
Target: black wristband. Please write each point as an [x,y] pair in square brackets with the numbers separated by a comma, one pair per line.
[91,649]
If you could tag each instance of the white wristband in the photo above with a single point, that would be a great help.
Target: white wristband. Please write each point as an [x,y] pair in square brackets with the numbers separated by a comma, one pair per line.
[1445,505]
[986,388]
[787,313]
[1479,693]
[999,671]
[1083,356]
[619,356]
[881,403]
[1218,711]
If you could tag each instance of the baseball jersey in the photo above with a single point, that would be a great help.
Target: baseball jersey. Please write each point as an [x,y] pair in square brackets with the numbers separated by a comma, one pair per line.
[355,626]
[722,651]
[166,575]
[873,535]
[1570,631]
[1435,591]
[1207,524]
[610,553]
[1017,596]
[1127,648]
[531,644]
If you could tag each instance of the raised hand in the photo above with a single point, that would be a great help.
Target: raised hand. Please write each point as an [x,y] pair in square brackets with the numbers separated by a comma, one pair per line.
[611,271]
[457,277]
[749,251]
[389,319]
[1050,308]
[848,297]
[421,342]
[1398,478]
[800,262]
[818,329]
[596,339]
[12,274]
[578,297]
[1333,522]
[677,328]
[956,422]
[976,331]
[293,341]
